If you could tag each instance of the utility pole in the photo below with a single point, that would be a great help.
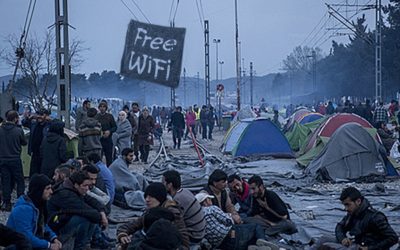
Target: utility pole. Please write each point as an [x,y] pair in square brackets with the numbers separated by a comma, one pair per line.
[198,88]
[251,84]
[314,57]
[63,62]
[220,71]
[237,58]
[378,51]
[184,87]
[207,61]
[216,41]
[172,24]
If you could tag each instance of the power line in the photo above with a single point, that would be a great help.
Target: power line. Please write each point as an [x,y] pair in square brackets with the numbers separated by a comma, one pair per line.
[176,10]
[170,11]
[133,14]
[137,6]
[201,18]
[315,27]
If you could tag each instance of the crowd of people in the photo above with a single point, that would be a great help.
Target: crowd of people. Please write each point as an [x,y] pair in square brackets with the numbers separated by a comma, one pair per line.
[68,199]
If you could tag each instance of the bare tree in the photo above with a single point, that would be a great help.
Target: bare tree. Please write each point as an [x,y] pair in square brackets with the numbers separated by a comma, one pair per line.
[300,59]
[38,67]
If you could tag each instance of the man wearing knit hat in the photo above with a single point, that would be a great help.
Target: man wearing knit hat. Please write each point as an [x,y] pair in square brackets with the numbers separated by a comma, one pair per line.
[108,126]
[155,196]
[28,214]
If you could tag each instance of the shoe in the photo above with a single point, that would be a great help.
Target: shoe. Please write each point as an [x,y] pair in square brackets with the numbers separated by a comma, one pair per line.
[262,242]
[107,238]
[253,247]
[174,146]
[6,206]
[101,244]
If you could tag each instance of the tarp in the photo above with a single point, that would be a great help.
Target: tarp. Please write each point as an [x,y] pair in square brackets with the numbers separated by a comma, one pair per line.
[350,154]
[256,137]
[244,113]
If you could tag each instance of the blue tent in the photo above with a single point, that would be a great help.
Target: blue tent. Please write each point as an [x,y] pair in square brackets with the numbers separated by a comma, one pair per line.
[256,137]
[310,117]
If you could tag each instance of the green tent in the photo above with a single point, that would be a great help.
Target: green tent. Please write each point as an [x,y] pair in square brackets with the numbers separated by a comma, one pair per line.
[298,134]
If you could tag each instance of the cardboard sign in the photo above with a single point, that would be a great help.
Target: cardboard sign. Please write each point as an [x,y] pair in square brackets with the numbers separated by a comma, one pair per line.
[153,53]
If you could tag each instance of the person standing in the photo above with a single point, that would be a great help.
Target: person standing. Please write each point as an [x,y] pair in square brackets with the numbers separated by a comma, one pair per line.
[204,121]
[145,134]
[178,125]
[108,126]
[81,114]
[190,118]
[12,139]
[381,114]
[53,150]
[29,215]
[210,121]
[39,126]
[133,118]
[90,134]
[122,137]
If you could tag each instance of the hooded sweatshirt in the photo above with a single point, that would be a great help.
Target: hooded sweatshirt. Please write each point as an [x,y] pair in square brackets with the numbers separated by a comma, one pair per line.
[54,152]
[11,139]
[89,135]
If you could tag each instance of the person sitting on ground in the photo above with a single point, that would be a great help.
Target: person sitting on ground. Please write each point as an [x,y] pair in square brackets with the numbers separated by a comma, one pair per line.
[269,211]
[70,215]
[193,213]
[11,238]
[217,188]
[61,173]
[29,215]
[240,194]
[156,196]
[387,137]
[105,174]
[222,233]
[158,231]
[97,191]
[363,227]
[125,179]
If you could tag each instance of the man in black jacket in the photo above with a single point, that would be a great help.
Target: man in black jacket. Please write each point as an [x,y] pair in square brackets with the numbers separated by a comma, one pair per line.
[268,210]
[369,227]
[108,127]
[10,237]
[362,228]
[71,216]
[11,139]
[178,125]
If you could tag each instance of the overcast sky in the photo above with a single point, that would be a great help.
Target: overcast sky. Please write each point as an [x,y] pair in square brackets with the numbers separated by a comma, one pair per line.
[268,29]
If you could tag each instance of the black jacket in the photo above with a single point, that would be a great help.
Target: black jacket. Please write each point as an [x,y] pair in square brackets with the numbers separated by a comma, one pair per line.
[10,237]
[369,227]
[11,139]
[66,200]
[53,152]
[177,120]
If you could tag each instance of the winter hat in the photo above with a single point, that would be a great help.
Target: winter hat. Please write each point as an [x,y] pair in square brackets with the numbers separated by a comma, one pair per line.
[200,197]
[37,184]
[162,235]
[156,190]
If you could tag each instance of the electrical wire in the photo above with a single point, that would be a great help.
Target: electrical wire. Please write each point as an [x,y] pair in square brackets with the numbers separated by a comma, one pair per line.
[133,14]
[176,10]
[138,7]
[170,11]
[200,17]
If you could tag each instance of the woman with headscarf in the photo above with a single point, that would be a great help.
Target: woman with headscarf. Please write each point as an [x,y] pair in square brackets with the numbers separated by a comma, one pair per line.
[145,133]
[122,136]
[53,150]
